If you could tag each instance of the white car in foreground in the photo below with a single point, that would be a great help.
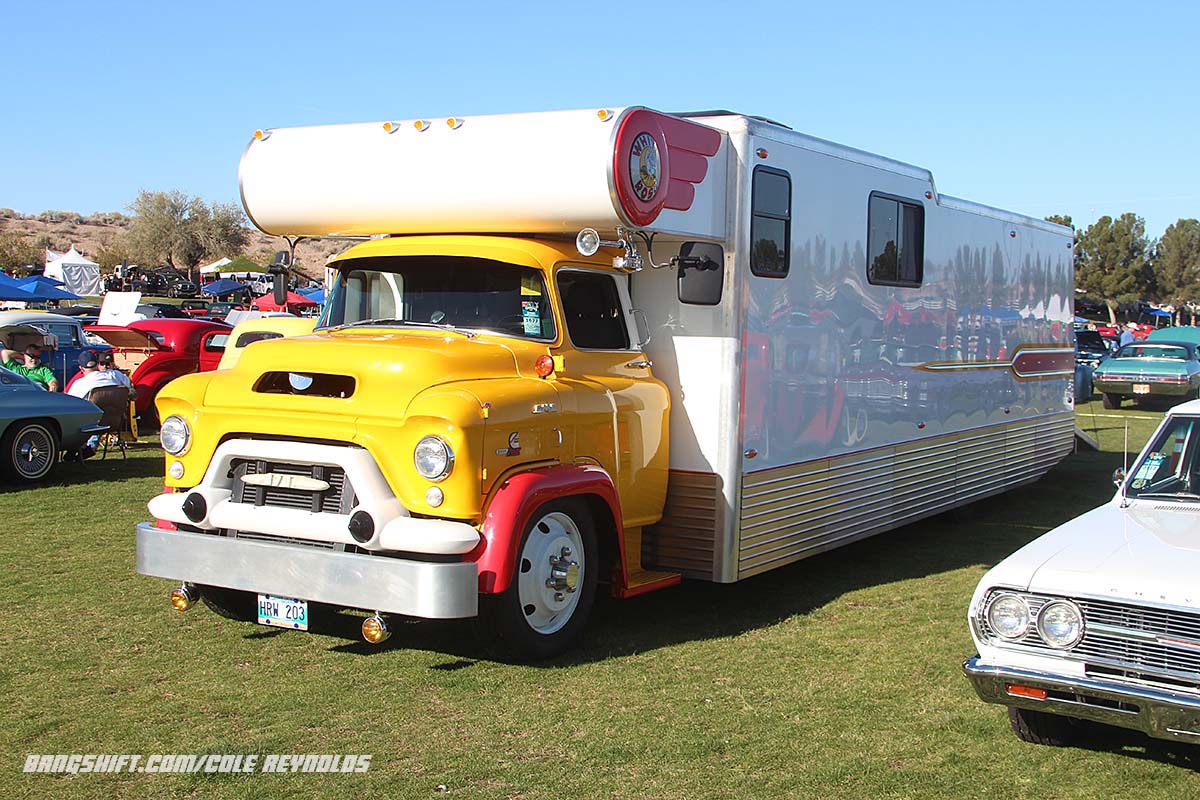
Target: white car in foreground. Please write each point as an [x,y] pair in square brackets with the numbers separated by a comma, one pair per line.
[1099,619]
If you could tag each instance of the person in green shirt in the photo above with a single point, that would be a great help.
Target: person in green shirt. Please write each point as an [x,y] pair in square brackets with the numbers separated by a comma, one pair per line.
[29,364]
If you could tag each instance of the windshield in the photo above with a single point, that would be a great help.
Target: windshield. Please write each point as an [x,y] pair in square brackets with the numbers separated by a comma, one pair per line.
[1170,466]
[1153,351]
[442,291]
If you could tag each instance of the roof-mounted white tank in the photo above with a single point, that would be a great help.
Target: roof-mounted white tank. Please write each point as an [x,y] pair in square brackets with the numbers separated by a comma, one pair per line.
[551,172]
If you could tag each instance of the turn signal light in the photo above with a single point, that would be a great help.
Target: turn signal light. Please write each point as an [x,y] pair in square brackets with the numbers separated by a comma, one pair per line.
[183,597]
[375,629]
[544,366]
[1017,690]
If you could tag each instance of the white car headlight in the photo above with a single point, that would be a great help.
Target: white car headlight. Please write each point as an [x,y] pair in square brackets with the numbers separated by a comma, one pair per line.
[433,458]
[175,435]
[1060,623]
[1008,616]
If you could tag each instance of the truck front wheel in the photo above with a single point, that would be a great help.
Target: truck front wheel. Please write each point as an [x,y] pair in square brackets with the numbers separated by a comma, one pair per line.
[553,587]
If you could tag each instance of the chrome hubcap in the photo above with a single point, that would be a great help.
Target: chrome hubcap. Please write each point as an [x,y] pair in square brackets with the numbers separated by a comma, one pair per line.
[550,572]
[33,453]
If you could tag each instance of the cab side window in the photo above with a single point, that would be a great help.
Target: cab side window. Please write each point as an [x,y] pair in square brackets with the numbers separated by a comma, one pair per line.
[592,308]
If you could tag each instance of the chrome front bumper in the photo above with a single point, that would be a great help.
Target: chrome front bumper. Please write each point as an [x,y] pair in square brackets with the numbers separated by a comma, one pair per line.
[350,580]
[1160,713]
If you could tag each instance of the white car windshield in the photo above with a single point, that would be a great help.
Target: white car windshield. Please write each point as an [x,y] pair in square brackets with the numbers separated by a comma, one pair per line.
[459,293]
[1170,466]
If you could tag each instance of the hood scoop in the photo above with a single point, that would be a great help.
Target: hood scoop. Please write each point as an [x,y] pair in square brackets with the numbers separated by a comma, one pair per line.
[306,384]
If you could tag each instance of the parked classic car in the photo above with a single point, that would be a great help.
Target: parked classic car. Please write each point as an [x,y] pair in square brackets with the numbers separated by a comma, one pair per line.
[64,358]
[1099,619]
[260,329]
[221,308]
[37,426]
[194,308]
[1149,371]
[154,352]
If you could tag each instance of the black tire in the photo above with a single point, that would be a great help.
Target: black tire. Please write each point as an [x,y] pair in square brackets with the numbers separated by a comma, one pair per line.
[1111,400]
[229,603]
[526,622]
[28,451]
[1038,727]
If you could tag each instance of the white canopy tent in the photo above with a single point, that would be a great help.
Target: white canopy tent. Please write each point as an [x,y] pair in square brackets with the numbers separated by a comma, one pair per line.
[215,266]
[79,275]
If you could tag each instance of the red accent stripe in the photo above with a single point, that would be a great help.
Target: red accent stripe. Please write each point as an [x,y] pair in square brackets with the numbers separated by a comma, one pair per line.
[1034,362]
[680,195]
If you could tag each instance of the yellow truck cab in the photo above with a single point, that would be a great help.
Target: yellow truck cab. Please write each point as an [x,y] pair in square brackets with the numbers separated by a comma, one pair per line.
[612,347]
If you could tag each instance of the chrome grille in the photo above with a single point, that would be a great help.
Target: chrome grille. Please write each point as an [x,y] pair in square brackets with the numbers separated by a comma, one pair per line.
[1141,641]
[337,499]
[262,537]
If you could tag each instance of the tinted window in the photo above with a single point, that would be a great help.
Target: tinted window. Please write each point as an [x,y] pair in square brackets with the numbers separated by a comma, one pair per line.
[256,336]
[770,223]
[895,241]
[592,309]
[67,333]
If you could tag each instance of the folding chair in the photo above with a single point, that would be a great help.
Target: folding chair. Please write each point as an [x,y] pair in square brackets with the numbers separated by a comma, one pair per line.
[114,402]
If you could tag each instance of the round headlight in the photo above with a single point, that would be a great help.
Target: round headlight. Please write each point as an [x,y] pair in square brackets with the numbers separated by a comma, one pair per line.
[175,435]
[1060,623]
[1008,616]
[433,458]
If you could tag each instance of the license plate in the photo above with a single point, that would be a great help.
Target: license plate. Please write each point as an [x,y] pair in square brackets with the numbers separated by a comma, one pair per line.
[1141,388]
[283,612]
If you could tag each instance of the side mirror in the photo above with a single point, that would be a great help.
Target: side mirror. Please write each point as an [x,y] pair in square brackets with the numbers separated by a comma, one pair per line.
[1118,477]
[701,273]
[279,276]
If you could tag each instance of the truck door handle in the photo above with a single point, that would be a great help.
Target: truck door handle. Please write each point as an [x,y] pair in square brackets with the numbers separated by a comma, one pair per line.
[640,364]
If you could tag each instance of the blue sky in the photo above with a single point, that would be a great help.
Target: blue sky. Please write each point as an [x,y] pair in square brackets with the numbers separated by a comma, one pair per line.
[1084,109]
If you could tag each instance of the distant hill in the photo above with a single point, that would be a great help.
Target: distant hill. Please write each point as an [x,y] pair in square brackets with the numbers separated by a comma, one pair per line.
[89,234]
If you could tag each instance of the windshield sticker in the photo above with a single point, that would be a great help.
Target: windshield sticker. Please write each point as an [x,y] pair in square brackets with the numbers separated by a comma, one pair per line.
[1150,466]
[531,317]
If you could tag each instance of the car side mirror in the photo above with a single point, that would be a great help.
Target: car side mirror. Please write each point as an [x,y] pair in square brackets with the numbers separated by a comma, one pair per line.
[279,275]
[701,273]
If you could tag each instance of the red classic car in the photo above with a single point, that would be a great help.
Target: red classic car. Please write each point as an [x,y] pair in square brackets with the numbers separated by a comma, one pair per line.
[154,352]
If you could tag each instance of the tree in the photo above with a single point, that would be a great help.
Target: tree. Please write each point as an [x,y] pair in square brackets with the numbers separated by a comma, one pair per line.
[1177,264]
[1061,219]
[181,231]
[16,252]
[1112,262]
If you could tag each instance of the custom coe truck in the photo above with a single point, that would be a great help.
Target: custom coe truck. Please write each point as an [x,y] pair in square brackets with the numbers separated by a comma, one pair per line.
[607,348]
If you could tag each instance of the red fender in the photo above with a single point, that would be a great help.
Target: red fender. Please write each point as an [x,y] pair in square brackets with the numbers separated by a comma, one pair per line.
[514,503]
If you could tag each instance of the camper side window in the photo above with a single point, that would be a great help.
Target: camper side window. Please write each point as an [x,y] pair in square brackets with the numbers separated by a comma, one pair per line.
[770,222]
[895,241]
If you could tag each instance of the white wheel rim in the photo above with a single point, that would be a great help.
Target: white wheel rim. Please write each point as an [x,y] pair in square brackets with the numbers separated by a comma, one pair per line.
[33,452]
[550,573]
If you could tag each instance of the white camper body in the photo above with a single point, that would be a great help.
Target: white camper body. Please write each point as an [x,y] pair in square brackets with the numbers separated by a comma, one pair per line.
[877,353]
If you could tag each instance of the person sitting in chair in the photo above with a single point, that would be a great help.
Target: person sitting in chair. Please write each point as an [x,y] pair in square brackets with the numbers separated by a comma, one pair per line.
[93,375]
[30,365]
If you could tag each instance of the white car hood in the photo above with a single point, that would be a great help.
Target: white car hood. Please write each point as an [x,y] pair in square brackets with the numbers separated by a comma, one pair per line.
[1148,551]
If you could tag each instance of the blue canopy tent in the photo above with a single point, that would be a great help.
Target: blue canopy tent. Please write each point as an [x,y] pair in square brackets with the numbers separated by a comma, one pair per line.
[42,279]
[40,292]
[223,287]
[314,293]
[11,289]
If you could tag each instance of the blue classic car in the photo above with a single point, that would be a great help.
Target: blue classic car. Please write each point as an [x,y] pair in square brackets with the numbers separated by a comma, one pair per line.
[72,340]
[1144,371]
[37,426]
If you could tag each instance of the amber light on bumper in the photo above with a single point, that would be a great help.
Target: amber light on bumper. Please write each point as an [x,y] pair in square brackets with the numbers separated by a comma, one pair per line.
[184,597]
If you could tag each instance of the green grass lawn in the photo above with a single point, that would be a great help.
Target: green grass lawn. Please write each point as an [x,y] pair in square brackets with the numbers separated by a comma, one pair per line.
[838,677]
